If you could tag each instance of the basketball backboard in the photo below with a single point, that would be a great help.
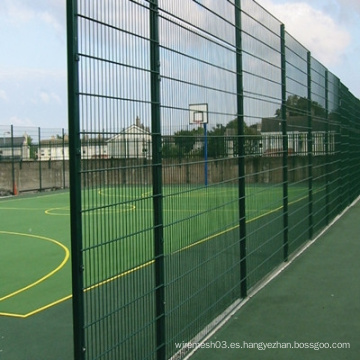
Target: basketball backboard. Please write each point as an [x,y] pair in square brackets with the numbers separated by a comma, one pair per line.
[198,113]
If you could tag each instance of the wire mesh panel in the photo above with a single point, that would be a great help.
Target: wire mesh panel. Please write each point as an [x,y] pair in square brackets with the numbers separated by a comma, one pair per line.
[334,168]
[299,132]
[200,191]
[354,150]
[33,159]
[117,251]
[345,146]
[321,143]
[263,136]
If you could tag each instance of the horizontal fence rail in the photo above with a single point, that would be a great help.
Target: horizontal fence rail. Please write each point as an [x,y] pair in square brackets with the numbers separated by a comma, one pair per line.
[206,146]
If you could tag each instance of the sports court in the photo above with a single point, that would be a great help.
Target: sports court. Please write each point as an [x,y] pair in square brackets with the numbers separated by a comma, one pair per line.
[35,231]
[36,296]
[314,300]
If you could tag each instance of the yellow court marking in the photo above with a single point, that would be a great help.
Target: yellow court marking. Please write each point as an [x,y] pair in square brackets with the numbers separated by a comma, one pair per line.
[48,306]
[13,315]
[234,227]
[47,276]
[127,272]
[147,263]
[21,208]
[65,210]
[36,311]
[58,211]
[147,194]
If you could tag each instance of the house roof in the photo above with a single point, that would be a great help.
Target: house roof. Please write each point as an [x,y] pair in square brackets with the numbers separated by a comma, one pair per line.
[55,140]
[16,141]
[132,130]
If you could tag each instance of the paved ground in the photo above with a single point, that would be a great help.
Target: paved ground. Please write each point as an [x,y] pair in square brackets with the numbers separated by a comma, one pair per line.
[315,300]
[45,336]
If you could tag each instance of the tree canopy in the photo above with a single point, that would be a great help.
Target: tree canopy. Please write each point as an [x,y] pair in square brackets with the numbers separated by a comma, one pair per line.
[297,106]
[219,137]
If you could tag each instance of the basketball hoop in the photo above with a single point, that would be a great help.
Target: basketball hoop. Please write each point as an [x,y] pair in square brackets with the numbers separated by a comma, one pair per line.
[198,117]
[198,114]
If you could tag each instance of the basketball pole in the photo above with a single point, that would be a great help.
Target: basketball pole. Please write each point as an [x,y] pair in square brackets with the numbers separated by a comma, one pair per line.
[202,111]
[205,154]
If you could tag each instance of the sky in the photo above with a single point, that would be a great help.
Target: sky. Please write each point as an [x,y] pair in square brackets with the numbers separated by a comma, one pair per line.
[33,80]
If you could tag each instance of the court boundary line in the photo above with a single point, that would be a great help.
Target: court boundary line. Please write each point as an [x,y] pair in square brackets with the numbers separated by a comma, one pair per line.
[43,278]
[68,297]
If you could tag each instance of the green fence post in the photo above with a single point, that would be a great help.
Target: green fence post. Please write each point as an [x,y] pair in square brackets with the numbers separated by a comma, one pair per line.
[343,173]
[355,146]
[12,161]
[75,182]
[343,147]
[346,152]
[356,133]
[350,153]
[309,145]
[285,145]
[338,149]
[327,157]
[241,141]
[348,158]
[63,159]
[157,179]
[39,159]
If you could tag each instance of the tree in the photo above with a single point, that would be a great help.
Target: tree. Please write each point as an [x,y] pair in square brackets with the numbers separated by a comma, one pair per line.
[252,137]
[216,141]
[169,150]
[248,130]
[185,140]
[33,148]
[297,106]
[220,139]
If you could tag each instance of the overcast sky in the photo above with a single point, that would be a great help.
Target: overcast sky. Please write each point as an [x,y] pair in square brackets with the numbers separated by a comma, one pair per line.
[33,83]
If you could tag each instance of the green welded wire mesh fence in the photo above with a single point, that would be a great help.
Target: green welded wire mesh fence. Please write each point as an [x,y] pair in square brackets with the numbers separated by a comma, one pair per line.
[33,159]
[206,146]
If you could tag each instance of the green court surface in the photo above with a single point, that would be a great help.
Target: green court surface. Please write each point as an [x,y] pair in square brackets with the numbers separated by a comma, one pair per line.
[34,254]
[35,236]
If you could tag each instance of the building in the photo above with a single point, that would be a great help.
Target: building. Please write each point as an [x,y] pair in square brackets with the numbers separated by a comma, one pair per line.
[16,148]
[94,148]
[297,132]
[55,148]
[132,143]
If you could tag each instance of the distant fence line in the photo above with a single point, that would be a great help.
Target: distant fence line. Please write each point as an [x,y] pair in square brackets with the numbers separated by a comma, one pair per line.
[31,176]
[136,143]
[38,159]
